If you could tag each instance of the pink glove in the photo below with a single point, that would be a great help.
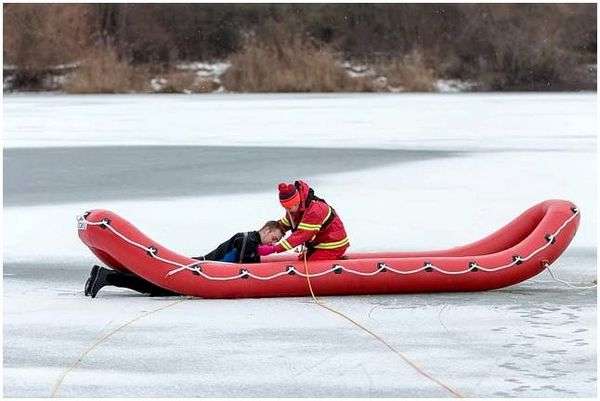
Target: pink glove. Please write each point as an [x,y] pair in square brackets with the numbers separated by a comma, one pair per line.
[264,250]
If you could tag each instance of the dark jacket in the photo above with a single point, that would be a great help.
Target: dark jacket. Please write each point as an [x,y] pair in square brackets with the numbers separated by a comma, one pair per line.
[231,250]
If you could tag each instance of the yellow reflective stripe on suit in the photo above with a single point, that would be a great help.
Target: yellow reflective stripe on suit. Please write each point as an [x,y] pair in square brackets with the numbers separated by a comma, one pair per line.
[309,227]
[285,244]
[326,217]
[332,245]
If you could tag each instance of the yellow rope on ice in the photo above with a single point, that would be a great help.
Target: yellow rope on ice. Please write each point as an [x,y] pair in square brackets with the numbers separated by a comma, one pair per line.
[104,338]
[377,337]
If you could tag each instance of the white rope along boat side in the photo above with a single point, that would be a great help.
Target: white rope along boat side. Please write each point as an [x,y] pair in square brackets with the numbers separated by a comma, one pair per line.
[196,267]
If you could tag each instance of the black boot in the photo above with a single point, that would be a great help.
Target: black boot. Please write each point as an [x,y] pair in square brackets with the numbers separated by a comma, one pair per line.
[96,281]
[100,277]
[86,288]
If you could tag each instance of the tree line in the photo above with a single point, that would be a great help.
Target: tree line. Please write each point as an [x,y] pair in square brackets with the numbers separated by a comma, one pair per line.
[510,46]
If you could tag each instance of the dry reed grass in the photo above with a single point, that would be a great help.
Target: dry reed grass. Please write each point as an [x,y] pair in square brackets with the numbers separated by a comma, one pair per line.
[288,63]
[408,74]
[103,72]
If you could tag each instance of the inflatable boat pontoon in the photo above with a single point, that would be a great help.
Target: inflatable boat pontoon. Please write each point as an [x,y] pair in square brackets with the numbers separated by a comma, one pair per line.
[516,252]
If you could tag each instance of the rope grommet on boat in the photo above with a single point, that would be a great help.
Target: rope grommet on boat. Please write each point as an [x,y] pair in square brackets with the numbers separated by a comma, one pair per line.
[244,274]
[428,267]
[152,251]
[291,270]
[473,266]
[337,269]
[381,266]
[105,224]
[550,238]
[517,259]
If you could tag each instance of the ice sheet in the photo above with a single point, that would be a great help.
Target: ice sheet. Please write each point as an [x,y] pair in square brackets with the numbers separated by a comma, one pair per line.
[418,205]
[407,121]
[537,339]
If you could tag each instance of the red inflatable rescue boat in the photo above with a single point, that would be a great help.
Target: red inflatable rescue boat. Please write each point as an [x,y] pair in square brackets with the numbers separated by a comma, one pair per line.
[516,252]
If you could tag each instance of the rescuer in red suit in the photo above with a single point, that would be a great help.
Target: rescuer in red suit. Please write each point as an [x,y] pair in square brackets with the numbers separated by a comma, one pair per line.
[313,223]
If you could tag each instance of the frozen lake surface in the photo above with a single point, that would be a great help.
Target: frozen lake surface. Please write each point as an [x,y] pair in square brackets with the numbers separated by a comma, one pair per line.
[75,174]
[404,171]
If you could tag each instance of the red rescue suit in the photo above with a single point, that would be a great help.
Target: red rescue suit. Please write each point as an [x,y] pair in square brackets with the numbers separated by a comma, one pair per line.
[315,224]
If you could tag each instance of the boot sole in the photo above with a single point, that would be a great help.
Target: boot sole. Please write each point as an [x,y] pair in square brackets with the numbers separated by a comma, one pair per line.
[91,281]
[87,287]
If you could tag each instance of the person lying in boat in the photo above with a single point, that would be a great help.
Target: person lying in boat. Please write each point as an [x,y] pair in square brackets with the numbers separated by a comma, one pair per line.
[240,248]
[313,223]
